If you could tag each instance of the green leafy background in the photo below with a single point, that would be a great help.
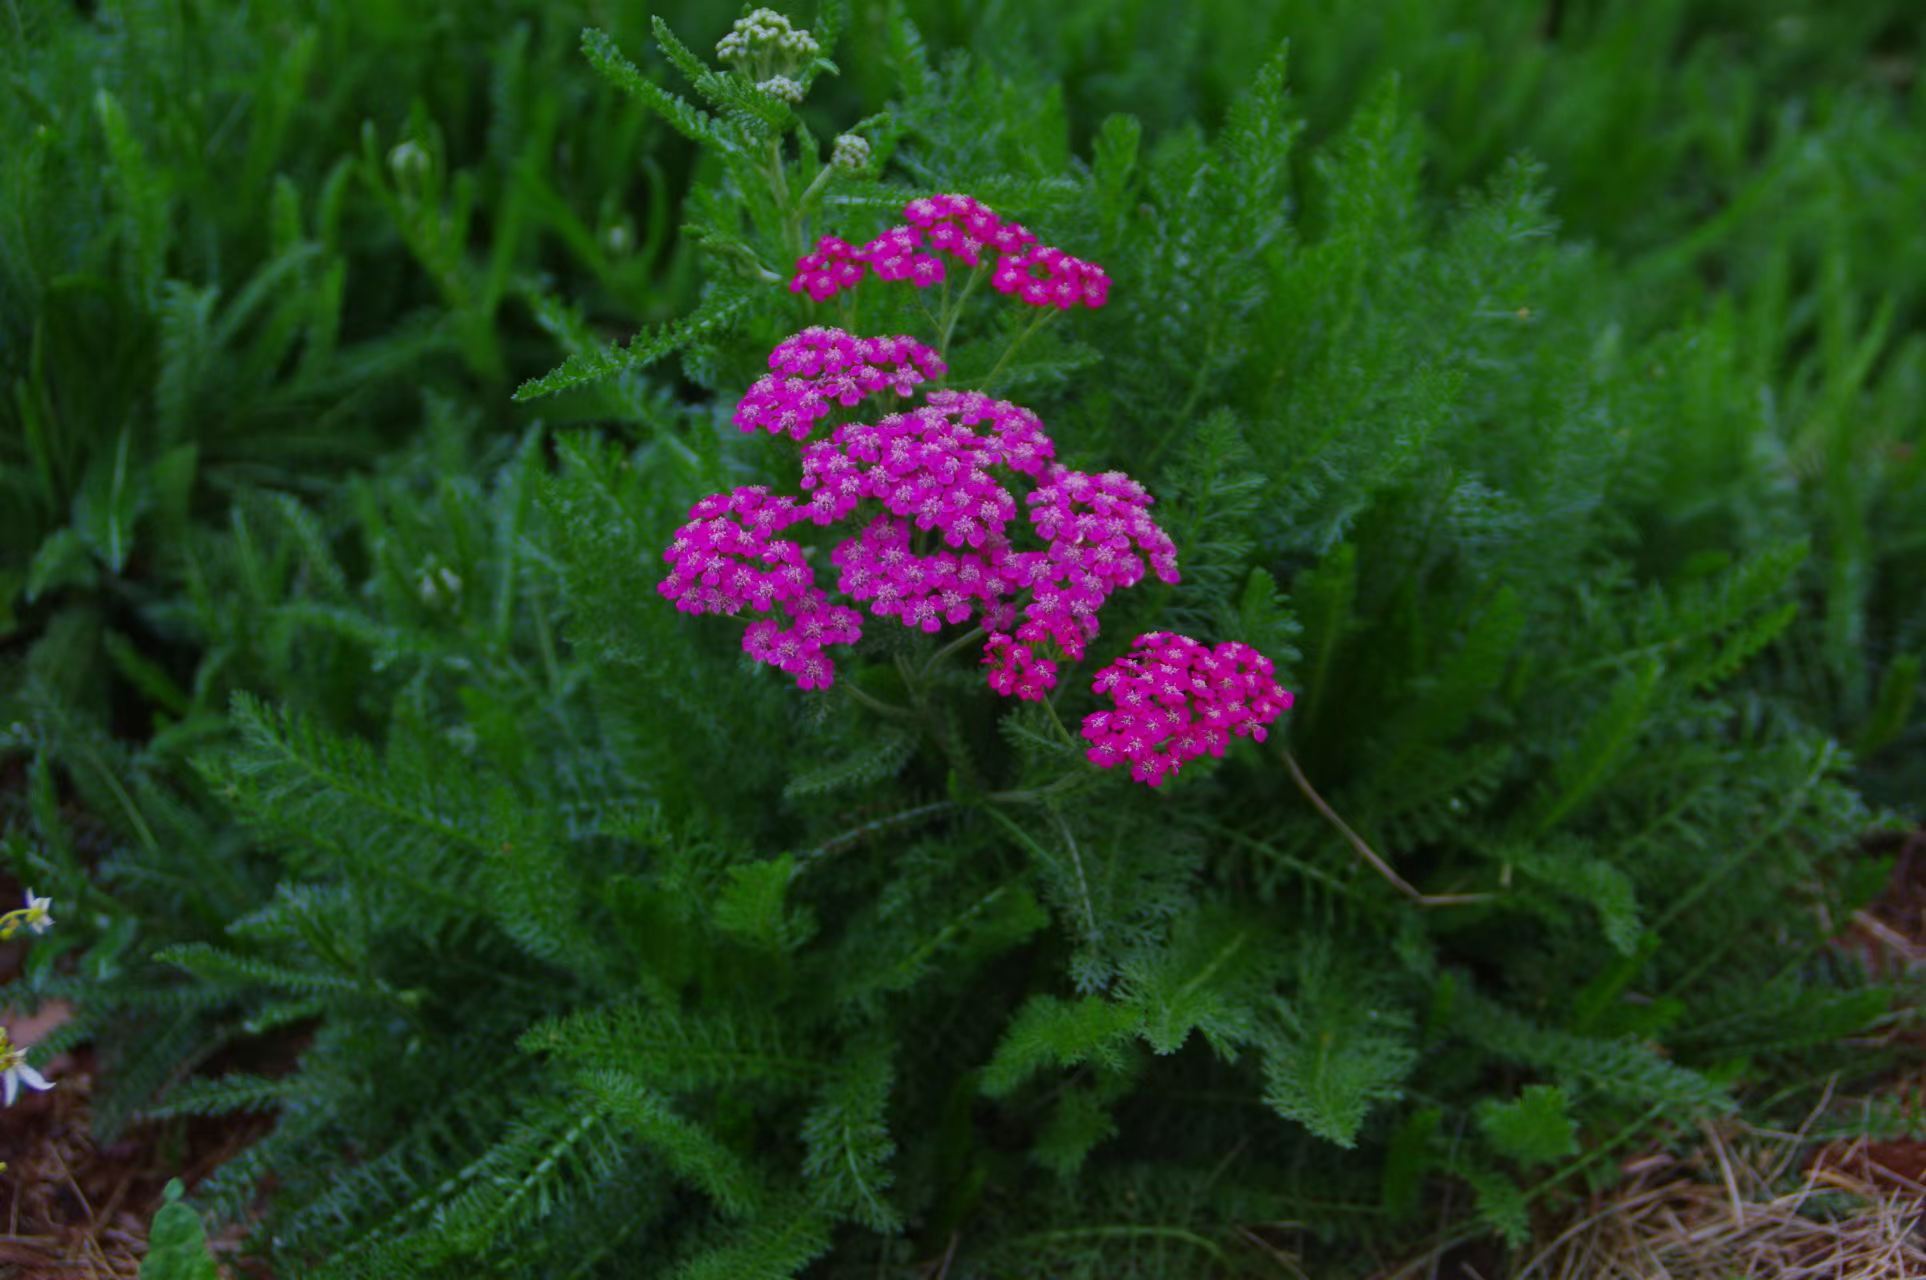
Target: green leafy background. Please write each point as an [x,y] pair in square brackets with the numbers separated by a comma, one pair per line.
[1539,384]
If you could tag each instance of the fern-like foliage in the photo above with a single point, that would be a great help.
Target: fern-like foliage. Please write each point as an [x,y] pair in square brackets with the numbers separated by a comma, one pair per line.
[1583,525]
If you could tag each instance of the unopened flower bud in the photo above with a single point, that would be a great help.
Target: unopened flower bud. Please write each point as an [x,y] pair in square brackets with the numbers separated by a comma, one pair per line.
[850,152]
[408,159]
[764,42]
[782,87]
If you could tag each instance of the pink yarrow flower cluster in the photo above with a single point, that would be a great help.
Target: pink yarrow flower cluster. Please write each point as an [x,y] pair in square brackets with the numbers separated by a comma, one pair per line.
[1177,699]
[943,541]
[937,229]
[817,369]
[727,559]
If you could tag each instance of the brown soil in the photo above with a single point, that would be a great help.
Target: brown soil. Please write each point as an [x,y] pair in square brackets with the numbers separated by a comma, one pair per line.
[73,1208]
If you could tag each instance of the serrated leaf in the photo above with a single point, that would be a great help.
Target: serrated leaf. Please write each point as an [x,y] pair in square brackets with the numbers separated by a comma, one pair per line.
[1581,771]
[1334,1051]
[1048,1031]
[847,1144]
[753,904]
[1532,1128]
[1502,1206]
[691,122]
[177,1243]
[881,756]
[690,1150]
[108,502]
[62,560]
[646,347]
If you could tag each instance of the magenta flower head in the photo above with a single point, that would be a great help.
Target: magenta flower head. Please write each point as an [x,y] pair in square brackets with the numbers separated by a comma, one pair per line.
[938,232]
[727,560]
[1177,699]
[817,369]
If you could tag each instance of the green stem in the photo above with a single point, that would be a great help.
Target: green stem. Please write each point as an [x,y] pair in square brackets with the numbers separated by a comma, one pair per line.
[1197,384]
[877,704]
[891,820]
[910,682]
[779,184]
[968,637]
[1042,318]
[1056,720]
[811,191]
[951,314]
[933,723]
[1038,795]
[929,315]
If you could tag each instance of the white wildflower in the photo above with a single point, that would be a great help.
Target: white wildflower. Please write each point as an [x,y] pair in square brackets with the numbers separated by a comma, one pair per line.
[15,1072]
[36,917]
[39,913]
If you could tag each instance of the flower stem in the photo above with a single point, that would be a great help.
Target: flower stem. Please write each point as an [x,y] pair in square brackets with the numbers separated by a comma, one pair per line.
[951,313]
[916,814]
[933,723]
[810,192]
[1041,318]
[1037,795]
[1051,707]
[1369,854]
[877,704]
[968,637]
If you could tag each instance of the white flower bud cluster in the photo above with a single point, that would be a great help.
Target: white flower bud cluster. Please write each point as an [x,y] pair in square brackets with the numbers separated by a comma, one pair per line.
[850,152]
[765,33]
[781,87]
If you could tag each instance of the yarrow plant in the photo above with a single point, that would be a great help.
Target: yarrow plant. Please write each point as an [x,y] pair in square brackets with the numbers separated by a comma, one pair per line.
[36,917]
[933,493]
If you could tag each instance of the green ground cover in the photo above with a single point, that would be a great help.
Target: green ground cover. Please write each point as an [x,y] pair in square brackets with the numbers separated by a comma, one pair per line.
[1539,385]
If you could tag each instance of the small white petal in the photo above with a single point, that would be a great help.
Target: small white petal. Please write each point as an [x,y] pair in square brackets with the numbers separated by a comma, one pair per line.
[33,1079]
